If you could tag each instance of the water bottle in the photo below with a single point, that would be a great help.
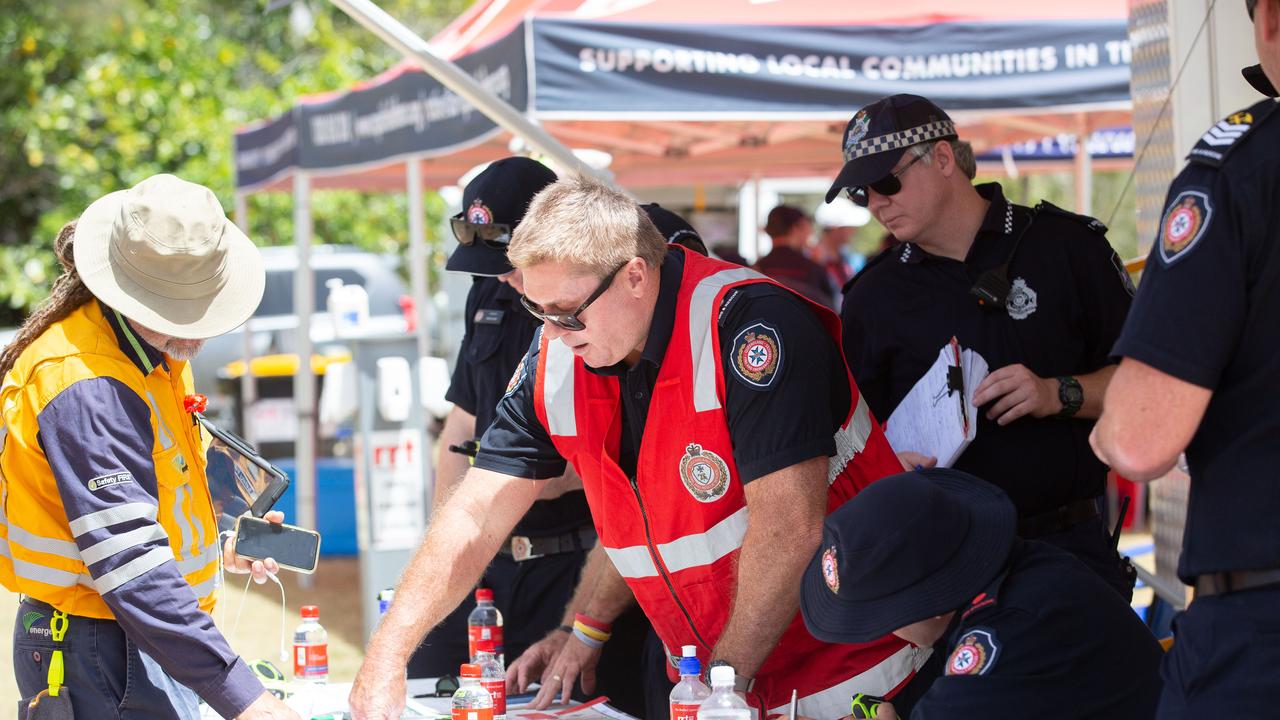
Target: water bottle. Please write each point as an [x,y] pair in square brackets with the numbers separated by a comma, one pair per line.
[485,623]
[723,703]
[689,693]
[470,701]
[493,677]
[311,648]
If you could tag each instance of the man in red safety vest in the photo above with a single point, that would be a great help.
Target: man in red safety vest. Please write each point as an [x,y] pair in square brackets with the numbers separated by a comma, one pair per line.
[714,423]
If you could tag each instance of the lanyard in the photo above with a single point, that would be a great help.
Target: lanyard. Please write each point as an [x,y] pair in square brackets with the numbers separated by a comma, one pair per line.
[56,669]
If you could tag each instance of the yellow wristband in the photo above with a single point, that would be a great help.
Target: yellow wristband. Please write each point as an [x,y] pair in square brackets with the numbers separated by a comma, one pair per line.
[591,632]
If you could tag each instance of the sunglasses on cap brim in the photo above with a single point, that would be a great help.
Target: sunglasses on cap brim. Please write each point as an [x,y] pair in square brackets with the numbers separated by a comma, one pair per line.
[495,235]
[888,185]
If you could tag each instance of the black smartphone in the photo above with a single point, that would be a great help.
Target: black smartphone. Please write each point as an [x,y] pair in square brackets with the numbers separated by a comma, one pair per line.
[240,480]
[293,547]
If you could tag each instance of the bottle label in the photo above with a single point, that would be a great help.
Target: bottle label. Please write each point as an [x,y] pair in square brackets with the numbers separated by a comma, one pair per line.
[473,713]
[684,711]
[497,689]
[310,661]
[476,633]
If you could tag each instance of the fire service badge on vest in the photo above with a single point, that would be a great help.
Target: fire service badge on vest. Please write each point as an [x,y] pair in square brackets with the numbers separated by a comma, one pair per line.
[704,473]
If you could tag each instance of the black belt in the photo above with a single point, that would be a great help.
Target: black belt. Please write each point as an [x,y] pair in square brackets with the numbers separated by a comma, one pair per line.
[1058,519]
[522,548]
[1228,582]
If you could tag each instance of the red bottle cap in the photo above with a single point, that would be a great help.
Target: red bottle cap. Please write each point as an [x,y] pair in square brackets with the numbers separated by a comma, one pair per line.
[469,670]
[310,611]
[484,594]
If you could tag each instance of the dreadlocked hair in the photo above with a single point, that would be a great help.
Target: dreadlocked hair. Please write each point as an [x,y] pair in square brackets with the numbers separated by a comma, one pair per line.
[68,293]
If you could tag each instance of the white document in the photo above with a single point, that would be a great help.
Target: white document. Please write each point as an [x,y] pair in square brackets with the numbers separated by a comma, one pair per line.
[938,417]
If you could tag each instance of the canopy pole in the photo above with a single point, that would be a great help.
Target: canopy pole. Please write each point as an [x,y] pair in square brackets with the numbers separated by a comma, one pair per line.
[418,278]
[1084,167]
[248,384]
[304,380]
[412,46]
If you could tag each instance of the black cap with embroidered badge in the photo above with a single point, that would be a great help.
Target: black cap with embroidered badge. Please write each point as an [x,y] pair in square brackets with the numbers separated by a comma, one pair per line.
[879,133]
[907,548]
[493,203]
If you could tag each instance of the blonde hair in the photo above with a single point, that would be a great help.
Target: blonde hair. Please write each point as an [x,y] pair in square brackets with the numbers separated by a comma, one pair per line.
[581,221]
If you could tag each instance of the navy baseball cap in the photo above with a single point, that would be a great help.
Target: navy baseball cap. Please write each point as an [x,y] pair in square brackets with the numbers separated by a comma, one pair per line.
[1255,76]
[674,228]
[879,133]
[493,204]
[907,548]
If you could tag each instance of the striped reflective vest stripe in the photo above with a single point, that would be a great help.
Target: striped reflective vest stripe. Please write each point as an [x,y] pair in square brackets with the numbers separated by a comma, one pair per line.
[675,531]
[38,553]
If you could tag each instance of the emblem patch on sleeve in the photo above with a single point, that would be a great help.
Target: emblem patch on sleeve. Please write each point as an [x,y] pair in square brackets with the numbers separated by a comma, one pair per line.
[1184,224]
[974,655]
[704,473]
[516,378]
[110,479]
[757,355]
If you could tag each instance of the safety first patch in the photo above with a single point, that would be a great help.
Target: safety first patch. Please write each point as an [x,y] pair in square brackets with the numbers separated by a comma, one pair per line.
[106,481]
[1184,224]
[975,654]
[757,355]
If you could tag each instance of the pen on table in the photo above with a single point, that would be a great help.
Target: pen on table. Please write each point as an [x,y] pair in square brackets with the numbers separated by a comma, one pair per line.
[791,714]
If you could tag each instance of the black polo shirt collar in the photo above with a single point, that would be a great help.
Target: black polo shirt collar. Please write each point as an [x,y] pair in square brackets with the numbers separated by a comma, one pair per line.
[664,317]
[139,351]
[989,245]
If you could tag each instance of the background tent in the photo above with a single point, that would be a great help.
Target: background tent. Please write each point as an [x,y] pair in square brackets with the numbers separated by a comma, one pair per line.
[718,91]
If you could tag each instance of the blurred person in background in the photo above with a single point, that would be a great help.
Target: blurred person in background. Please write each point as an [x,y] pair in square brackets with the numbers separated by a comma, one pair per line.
[790,229]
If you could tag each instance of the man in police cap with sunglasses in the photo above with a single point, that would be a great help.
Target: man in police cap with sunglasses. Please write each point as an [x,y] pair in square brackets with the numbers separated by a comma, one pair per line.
[1201,358]
[1038,292]
[536,567]
[713,422]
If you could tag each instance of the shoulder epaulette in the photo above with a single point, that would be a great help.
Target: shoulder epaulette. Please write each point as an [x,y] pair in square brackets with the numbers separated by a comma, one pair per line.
[1229,133]
[1094,224]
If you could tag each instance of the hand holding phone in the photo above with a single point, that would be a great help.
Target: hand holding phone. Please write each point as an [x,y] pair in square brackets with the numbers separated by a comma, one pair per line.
[288,546]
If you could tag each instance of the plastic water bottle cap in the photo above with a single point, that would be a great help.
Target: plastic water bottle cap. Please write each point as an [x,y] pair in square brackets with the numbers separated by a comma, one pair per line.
[690,666]
[310,611]
[722,676]
[484,594]
[689,651]
[471,670]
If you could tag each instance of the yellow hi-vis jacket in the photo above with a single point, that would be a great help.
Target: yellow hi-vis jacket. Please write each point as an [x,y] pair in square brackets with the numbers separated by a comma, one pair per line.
[38,553]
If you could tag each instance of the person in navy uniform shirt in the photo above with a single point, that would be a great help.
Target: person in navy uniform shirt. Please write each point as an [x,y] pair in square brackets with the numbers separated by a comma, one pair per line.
[1026,630]
[1037,292]
[1200,369]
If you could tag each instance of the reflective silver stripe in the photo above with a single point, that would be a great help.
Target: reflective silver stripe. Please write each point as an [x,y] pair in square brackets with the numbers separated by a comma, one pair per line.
[112,516]
[41,574]
[119,543]
[38,543]
[107,582]
[878,680]
[557,390]
[199,562]
[705,548]
[632,562]
[850,440]
[700,344]
[165,437]
[183,522]
[206,587]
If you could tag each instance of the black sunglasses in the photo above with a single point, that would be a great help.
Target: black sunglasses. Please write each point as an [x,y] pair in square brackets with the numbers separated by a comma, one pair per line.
[570,321]
[446,686]
[494,235]
[887,185]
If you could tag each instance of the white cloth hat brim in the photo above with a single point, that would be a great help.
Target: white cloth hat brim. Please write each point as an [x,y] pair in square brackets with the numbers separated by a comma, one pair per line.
[188,318]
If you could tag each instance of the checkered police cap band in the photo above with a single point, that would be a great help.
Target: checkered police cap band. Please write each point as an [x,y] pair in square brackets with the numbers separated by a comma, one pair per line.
[900,139]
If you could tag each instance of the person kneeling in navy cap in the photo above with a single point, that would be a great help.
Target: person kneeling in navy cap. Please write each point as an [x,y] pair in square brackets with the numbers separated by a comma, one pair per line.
[1028,631]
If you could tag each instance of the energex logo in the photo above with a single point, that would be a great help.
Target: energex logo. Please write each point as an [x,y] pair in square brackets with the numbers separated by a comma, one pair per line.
[31,618]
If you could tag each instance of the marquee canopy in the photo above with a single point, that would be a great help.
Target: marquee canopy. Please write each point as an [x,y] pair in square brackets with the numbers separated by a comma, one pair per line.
[715,91]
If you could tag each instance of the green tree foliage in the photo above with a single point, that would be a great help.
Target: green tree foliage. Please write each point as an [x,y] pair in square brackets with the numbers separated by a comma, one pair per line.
[97,95]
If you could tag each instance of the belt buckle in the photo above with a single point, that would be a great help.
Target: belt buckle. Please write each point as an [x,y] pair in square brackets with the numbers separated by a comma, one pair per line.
[522,548]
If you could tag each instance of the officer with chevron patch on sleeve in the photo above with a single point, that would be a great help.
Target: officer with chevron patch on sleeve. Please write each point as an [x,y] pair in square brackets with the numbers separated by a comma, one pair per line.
[1201,358]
